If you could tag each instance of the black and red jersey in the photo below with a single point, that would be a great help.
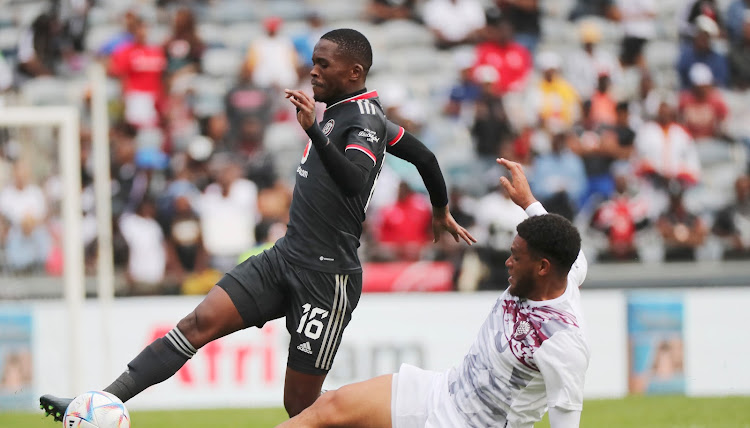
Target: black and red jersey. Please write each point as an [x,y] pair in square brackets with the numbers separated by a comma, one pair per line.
[325,225]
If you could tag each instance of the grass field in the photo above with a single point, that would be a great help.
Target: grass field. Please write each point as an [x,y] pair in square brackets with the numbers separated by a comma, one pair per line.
[632,412]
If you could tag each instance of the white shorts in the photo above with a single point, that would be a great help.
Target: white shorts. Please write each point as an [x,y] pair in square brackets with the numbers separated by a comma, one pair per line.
[413,392]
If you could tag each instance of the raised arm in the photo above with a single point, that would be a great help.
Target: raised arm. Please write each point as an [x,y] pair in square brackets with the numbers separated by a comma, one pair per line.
[405,146]
[520,193]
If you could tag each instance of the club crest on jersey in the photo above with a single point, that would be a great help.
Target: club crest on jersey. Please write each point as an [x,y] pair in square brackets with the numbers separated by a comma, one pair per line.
[522,329]
[328,127]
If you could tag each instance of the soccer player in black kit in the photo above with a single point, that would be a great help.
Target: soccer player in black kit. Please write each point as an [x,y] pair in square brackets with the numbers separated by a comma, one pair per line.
[312,276]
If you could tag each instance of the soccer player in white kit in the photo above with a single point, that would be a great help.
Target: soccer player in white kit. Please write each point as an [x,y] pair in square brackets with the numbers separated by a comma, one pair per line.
[530,355]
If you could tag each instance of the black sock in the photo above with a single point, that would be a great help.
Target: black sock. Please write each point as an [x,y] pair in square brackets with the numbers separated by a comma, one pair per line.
[156,363]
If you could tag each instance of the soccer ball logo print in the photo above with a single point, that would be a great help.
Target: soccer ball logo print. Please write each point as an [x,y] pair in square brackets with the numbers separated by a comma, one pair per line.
[522,330]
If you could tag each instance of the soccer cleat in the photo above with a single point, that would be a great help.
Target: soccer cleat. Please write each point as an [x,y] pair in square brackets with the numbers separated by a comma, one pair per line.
[54,406]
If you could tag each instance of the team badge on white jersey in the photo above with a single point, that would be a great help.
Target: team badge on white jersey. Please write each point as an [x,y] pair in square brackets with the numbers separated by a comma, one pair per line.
[522,330]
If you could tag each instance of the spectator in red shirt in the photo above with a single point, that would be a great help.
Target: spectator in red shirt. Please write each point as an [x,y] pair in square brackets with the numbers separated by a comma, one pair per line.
[619,218]
[702,108]
[603,104]
[140,67]
[511,60]
[404,227]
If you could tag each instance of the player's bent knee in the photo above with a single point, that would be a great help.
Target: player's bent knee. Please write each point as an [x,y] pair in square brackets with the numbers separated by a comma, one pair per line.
[200,327]
[189,327]
[331,410]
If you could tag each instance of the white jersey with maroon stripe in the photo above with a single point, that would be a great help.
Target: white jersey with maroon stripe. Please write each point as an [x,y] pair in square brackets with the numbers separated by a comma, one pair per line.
[528,356]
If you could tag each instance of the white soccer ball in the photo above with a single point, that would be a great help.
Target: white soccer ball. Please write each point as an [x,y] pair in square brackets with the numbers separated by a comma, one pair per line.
[96,409]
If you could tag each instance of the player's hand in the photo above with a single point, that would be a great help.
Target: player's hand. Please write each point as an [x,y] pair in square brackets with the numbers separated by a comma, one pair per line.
[518,189]
[443,221]
[305,107]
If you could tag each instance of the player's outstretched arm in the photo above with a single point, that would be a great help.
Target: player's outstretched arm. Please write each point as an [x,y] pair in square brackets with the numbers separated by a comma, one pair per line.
[406,146]
[443,221]
[359,405]
[520,193]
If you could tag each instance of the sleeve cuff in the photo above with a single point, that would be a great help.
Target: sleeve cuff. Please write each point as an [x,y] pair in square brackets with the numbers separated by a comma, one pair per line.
[535,209]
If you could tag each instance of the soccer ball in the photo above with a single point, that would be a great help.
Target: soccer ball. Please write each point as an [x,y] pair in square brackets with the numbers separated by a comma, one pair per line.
[96,409]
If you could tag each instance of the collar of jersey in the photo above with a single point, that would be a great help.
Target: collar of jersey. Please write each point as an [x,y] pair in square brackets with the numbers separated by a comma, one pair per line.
[550,302]
[356,96]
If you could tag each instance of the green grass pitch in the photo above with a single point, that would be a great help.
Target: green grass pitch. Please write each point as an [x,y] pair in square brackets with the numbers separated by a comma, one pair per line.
[632,412]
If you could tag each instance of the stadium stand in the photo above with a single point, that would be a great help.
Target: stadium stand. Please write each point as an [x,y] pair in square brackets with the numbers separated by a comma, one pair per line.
[270,144]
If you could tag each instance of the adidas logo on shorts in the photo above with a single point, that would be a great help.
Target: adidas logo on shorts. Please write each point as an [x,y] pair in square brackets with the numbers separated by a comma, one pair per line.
[305,347]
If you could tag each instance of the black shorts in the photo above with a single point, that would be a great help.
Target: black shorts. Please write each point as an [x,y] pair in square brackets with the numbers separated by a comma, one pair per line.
[317,305]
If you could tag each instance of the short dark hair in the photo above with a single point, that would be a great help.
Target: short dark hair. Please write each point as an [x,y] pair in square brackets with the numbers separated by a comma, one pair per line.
[353,45]
[553,237]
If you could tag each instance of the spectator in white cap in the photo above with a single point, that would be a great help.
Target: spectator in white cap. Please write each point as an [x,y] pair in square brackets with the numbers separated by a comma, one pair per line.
[700,50]
[553,97]
[688,25]
[702,108]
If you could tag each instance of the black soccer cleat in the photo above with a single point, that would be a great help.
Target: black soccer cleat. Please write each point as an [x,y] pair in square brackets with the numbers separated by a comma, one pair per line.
[54,406]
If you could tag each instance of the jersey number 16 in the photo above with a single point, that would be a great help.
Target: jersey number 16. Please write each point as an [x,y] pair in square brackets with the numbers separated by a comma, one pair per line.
[312,327]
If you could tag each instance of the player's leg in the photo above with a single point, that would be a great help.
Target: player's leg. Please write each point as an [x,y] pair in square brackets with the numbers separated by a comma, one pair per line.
[301,390]
[320,308]
[360,405]
[235,303]
[215,317]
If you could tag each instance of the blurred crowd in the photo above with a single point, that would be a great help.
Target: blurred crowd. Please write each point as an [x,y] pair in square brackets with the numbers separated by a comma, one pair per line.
[630,116]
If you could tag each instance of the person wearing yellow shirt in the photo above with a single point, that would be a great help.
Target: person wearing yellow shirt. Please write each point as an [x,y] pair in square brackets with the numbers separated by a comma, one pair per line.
[555,99]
